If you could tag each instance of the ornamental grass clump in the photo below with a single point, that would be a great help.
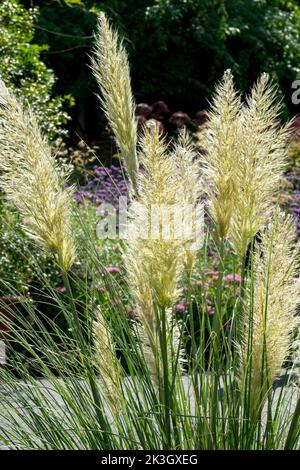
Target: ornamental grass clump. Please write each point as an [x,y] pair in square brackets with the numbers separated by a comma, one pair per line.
[111,380]
[33,181]
[153,261]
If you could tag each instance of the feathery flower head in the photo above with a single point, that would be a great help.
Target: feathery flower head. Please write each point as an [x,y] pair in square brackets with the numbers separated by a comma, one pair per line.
[111,69]
[154,262]
[268,324]
[105,359]
[33,181]
[157,256]
[244,158]
[263,147]
[187,170]
[220,142]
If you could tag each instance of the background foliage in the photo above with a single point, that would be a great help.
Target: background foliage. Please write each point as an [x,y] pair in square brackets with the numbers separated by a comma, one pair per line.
[178,49]
[22,69]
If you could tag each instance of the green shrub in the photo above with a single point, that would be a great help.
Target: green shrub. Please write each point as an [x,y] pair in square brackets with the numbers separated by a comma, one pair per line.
[23,71]
[17,265]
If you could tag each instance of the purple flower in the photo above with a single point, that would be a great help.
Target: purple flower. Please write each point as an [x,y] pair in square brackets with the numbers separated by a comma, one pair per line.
[180,308]
[233,278]
[210,310]
[106,186]
[198,284]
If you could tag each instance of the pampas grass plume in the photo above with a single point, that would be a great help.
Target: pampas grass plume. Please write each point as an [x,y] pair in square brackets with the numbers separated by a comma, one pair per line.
[111,70]
[263,150]
[219,139]
[268,325]
[105,360]
[245,154]
[32,180]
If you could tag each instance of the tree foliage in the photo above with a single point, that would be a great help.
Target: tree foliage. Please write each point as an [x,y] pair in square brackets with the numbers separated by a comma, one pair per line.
[187,45]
